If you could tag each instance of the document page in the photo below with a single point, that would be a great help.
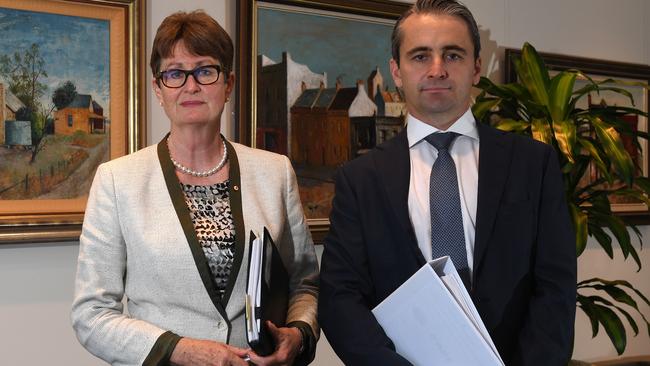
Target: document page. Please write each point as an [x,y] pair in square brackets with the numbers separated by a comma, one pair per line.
[446,270]
[253,290]
[429,326]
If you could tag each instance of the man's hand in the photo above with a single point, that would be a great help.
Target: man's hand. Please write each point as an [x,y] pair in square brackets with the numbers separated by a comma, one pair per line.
[199,352]
[287,345]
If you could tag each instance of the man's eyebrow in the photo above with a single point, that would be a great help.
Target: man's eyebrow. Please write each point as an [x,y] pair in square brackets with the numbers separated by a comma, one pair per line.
[418,49]
[451,47]
[454,47]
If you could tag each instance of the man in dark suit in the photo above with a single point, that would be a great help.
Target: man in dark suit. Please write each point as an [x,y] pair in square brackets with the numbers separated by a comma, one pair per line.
[517,249]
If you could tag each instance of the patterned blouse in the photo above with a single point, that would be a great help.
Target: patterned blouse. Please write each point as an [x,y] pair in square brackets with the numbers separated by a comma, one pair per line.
[215,229]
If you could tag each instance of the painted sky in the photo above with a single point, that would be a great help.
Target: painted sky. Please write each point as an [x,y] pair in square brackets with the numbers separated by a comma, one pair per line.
[74,48]
[342,47]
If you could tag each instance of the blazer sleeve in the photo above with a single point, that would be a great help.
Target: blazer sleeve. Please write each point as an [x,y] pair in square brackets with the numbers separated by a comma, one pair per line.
[346,287]
[300,257]
[547,335]
[97,310]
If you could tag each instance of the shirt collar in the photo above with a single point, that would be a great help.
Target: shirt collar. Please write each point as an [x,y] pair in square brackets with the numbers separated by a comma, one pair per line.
[417,130]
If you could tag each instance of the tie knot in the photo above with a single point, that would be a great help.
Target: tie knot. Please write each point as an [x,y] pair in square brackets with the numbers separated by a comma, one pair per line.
[441,140]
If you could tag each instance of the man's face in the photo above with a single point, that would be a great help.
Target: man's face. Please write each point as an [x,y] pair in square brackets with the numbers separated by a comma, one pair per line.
[437,68]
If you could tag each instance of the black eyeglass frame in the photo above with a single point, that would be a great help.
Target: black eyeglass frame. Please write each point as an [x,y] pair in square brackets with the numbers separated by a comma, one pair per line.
[159,75]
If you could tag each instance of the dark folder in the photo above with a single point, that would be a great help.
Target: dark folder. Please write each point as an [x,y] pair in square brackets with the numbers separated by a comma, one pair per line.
[267,274]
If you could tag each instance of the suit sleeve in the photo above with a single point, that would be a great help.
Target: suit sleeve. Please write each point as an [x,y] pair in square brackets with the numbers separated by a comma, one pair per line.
[346,287]
[97,310]
[547,335]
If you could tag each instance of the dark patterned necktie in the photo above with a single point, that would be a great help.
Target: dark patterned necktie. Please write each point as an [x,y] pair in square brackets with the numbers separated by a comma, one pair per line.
[447,234]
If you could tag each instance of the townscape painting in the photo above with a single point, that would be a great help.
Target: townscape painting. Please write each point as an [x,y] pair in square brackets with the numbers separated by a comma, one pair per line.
[65,107]
[323,90]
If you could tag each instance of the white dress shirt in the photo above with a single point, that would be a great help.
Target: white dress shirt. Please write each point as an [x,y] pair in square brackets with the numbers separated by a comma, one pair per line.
[464,151]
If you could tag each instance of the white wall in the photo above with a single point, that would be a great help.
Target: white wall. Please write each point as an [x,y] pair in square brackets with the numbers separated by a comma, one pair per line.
[36,280]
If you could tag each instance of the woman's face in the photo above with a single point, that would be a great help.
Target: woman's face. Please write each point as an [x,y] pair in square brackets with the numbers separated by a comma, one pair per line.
[192,103]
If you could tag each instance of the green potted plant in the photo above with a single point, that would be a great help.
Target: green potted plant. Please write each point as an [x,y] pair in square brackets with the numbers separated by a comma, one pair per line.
[586,140]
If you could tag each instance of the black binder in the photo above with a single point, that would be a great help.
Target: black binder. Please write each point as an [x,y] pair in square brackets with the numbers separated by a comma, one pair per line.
[274,294]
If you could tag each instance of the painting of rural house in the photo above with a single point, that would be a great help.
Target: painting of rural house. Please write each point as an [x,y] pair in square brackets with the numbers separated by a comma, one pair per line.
[82,114]
[54,106]
[12,132]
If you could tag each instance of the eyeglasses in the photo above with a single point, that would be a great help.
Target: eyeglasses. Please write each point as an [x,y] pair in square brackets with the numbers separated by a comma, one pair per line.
[176,78]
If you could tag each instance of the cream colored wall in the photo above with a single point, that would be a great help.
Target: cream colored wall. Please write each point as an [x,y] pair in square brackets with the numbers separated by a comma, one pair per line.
[36,280]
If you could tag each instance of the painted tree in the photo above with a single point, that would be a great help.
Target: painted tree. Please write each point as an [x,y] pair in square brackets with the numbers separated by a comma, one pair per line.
[64,94]
[24,73]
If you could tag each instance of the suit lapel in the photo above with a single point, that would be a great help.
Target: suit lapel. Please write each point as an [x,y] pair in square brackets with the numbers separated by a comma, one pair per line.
[238,218]
[494,163]
[394,169]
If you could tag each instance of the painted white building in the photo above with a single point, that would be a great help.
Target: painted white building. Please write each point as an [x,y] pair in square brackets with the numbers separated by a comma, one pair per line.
[362,105]
[299,77]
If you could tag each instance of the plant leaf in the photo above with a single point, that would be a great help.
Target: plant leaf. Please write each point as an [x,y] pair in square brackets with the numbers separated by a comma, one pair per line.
[580,227]
[604,240]
[533,74]
[613,147]
[615,283]
[481,107]
[613,326]
[508,124]
[633,324]
[561,89]
[588,308]
[541,131]
[595,154]
[565,135]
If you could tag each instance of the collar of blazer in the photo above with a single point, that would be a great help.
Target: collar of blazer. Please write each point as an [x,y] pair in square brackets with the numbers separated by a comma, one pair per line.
[183,213]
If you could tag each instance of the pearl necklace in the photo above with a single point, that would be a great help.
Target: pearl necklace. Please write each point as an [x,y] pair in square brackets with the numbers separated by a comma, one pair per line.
[205,173]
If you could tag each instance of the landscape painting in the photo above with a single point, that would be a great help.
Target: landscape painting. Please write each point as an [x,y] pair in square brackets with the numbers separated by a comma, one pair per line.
[55,116]
[324,94]
[72,95]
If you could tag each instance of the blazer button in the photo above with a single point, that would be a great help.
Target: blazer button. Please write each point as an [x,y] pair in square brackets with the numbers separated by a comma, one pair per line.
[221,325]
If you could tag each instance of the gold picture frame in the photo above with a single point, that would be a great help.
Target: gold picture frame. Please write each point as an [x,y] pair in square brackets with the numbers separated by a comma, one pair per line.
[59,219]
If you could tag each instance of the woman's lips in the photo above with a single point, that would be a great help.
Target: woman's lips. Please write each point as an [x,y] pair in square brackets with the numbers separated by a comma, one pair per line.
[191,103]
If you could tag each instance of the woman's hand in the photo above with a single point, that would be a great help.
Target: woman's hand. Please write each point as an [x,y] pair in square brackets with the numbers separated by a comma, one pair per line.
[199,352]
[287,345]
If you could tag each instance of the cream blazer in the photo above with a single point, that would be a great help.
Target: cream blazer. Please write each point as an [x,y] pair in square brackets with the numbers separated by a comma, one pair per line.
[138,243]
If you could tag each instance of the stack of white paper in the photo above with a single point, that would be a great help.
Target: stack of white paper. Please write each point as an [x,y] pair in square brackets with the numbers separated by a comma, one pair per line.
[254,290]
[432,320]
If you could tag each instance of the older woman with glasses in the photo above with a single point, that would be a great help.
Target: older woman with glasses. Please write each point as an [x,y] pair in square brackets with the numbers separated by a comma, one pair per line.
[168,227]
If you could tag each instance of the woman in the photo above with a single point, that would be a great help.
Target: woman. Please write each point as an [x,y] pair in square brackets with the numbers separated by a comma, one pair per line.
[168,226]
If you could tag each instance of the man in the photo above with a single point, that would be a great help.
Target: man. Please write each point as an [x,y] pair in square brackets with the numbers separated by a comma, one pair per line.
[517,252]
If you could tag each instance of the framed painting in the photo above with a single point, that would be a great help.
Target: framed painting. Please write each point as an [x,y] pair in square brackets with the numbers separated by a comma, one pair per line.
[71,97]
[636,211]
[314,84]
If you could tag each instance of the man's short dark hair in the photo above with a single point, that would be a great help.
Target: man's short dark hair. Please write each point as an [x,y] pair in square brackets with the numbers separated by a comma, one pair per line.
[437,7]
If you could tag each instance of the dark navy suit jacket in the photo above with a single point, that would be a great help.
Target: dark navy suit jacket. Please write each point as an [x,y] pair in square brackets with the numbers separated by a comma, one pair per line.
[524,278]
